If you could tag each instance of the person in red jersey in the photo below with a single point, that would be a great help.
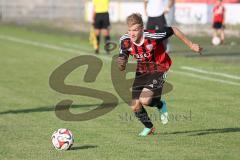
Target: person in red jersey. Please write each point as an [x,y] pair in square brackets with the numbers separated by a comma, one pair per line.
[218,20]
[146,46]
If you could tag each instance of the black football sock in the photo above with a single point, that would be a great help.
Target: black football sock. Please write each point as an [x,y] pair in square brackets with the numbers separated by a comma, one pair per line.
[98,40]
[143,117]
[107,39]
[156,102]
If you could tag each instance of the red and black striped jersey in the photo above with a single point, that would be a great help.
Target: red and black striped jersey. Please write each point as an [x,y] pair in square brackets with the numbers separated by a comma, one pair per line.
[150,54]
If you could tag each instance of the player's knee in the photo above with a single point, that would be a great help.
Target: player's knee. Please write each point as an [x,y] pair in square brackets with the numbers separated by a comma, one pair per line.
[145,101]
[136,106]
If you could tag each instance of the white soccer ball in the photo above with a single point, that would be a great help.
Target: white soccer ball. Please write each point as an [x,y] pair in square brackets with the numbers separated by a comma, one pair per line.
[216,41]
[62,139]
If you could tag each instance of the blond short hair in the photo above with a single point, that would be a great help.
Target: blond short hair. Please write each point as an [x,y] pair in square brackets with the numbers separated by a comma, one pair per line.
[135,18]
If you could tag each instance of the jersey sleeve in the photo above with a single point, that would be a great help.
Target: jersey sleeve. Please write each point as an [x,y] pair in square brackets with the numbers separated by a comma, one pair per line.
[164,33]
[125,45]
[160,34]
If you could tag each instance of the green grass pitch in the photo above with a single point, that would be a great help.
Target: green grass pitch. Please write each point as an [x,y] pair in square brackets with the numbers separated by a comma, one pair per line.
[204,103]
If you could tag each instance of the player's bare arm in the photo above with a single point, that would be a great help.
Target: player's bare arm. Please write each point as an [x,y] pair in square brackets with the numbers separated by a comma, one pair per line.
[193,46]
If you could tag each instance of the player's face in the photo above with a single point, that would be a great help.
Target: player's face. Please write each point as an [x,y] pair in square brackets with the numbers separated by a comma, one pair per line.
[135,32]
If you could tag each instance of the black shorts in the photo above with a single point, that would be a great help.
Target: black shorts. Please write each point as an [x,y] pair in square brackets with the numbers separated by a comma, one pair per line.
[218,25]
[156,22]
[102,21]
[153,81]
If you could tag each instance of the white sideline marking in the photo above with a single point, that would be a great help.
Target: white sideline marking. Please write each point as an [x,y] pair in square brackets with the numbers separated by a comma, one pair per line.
[38,44]
[76,46]
[208,72]
[72,45]
[58,48]
[207,78]
[50,46]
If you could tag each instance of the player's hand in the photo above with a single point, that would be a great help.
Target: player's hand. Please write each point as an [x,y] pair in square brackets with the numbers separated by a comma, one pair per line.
[196,48]
[122,61]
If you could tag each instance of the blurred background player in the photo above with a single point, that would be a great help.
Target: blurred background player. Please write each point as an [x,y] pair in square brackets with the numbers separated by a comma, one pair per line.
[101,21]
[156,11]
[152,62]
[218,20]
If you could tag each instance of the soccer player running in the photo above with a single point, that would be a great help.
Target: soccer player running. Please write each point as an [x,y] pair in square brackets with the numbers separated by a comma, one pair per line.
[146,46]
[218,20]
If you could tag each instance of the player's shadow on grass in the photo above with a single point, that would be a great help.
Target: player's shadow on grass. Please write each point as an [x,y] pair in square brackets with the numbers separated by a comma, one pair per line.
[45,109]
[206,131]
[83,147]
[50,108]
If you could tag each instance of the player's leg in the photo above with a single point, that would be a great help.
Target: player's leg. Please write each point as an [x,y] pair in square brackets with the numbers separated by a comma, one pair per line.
[215,33]
[161,107]
[218,32]
[151,95]
[222,35]
[143,117]
[98,34]
[106,28]
[106,34]
[97,28]
[215,27]
[170,20]
[138,108]
[141,113]
[147,98]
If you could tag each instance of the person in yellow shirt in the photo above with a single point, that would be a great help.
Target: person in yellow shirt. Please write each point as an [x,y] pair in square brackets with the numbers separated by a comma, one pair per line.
[101,21]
